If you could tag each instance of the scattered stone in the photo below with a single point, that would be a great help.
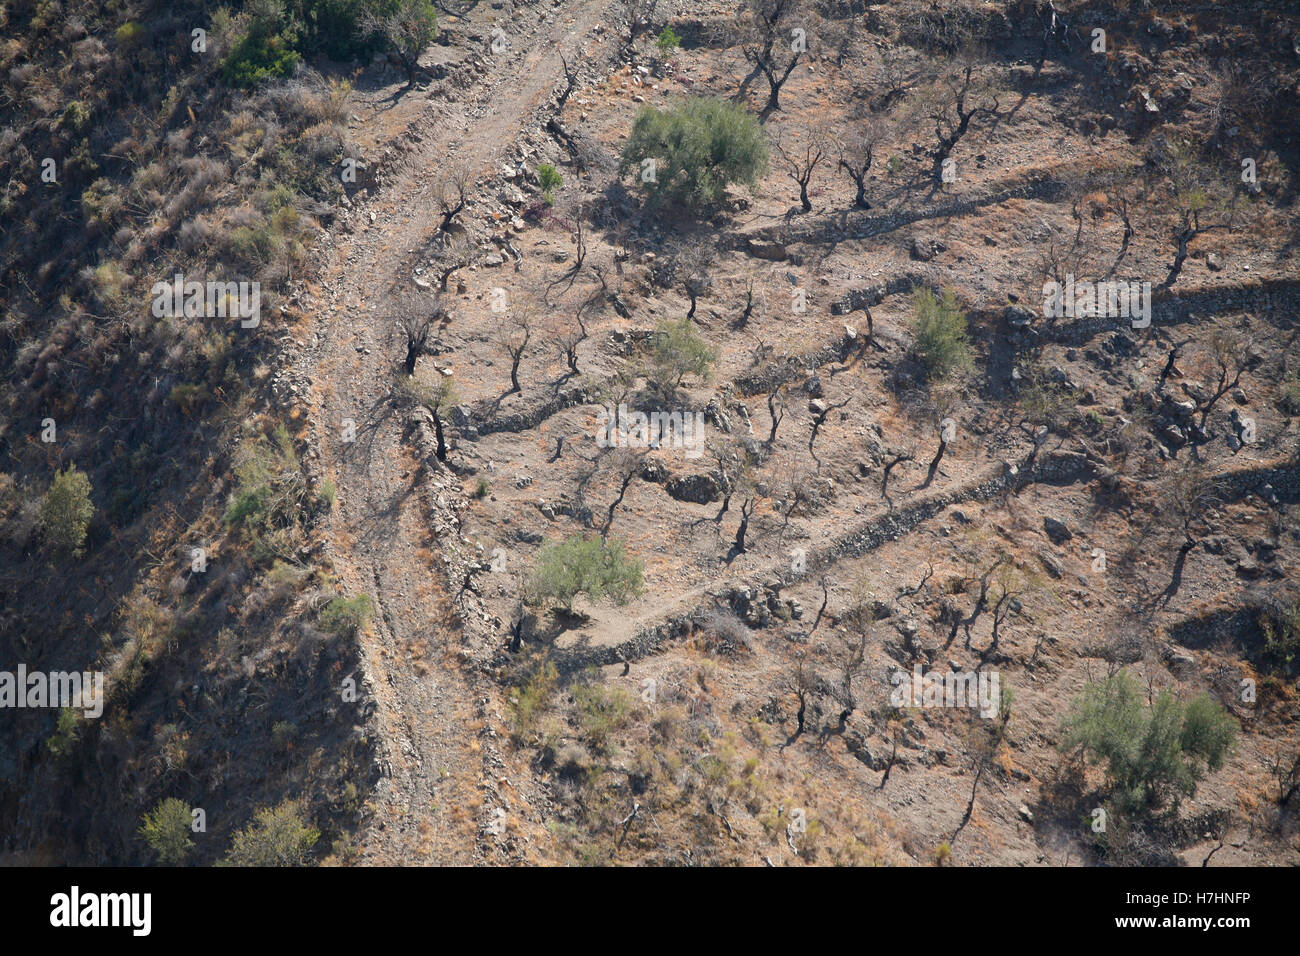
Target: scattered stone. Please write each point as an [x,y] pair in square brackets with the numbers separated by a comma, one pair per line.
[1180,663]
[923,250]
[1053,566]
[1215,544]
[1018,317]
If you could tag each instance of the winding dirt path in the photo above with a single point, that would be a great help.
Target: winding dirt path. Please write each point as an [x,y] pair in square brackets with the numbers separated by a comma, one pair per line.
[443,776]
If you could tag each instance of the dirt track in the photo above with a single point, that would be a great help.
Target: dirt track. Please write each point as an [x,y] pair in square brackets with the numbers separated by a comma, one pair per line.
[441,773]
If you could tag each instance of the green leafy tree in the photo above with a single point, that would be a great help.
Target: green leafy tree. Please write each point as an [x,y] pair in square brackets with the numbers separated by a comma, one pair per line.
[166,828]
[66,511]
[267,50]
[1153,754]
[277,837]
[593,567]
[939,329]
[678,350]
[695,149]
[668,41]
[549,179]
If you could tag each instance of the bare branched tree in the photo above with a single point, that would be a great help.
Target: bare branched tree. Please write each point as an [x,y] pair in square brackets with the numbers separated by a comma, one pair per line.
[1186,497]
[640,17]
[802,162]
[894,462]
[625,464]
[957,102]
[514,339]
[855,154]
[415,317]
[775,38]
[571,339]
[776,408]
[687,261]
[451,191]
[451,253]
[1199,198]
[1230,357]
[408,27]
[819,419]
[984,743]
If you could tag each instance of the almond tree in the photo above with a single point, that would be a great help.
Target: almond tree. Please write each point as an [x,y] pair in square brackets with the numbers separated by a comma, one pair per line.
[1186,496]
[687,262]
[639,15]
[452,194]
[898,459]
[772,46]
[856,153]
[514,339]
[626,465]
[408,29]
[819,419]
[984,742]
[801,163]
[854,658]
[1200,199]
[938,457]
[776,407]
[1230,355]
[570,340]
[981,603]
[955,105]
[415,317]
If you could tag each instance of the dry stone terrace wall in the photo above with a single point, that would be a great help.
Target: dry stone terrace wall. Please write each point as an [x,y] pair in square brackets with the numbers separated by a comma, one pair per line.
[1059,468]
[847,228]
[1275,300]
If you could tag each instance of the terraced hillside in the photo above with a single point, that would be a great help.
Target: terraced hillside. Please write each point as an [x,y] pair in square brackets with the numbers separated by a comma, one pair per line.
[572,643]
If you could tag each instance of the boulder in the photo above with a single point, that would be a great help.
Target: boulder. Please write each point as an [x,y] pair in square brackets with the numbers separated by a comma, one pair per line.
[1057,530]
[699,489]
[772,251]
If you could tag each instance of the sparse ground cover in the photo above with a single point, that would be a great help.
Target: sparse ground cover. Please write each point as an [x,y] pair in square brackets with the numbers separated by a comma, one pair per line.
[904,462]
